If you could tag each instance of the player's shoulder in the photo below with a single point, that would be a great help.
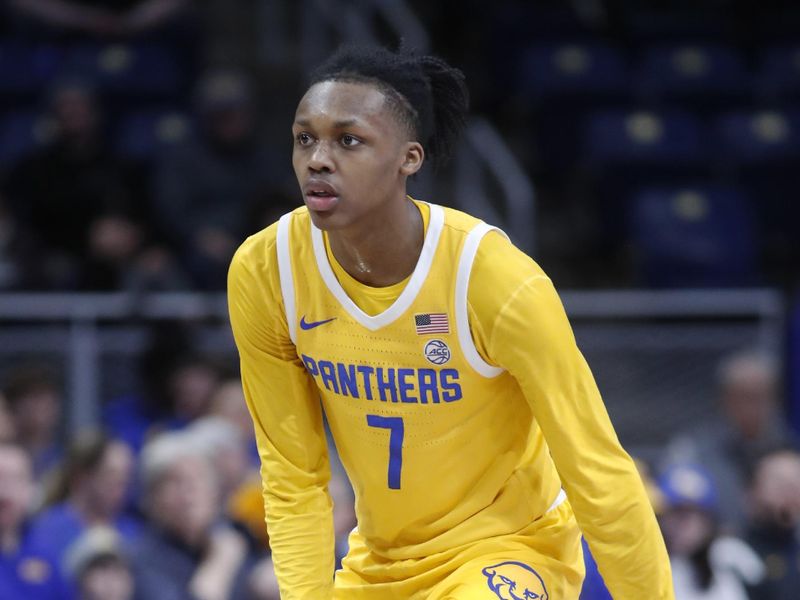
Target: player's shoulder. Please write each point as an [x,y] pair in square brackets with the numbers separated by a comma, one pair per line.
[497,253]
[497,257]
[493,243]
[458,222]
[502,266]
[259,250]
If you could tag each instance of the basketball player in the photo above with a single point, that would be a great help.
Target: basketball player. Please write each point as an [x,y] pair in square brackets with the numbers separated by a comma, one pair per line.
[467,420]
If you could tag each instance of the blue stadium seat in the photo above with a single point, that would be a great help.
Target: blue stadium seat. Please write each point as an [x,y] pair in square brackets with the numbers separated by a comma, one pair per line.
[699,236]
[564,81]
[758,137]
[510,27]
[761,151]
[668,139]
[20,134]
[566,69]
[703,75]
[141,136]
[624,150]
[129,70]
[26,68]
[778,77]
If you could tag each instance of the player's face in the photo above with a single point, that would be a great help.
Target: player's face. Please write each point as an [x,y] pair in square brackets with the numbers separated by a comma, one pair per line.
[351,153]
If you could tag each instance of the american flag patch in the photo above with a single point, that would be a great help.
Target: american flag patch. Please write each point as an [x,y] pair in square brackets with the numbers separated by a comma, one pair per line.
[432,323]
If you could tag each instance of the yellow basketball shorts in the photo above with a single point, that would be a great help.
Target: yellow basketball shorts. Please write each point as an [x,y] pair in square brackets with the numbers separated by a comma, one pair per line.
[543,561]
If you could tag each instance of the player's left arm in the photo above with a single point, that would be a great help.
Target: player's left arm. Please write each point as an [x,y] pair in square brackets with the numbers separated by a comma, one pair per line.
[530,337]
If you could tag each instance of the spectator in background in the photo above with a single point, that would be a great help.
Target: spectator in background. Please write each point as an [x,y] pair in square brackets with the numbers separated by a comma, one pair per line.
[20,263]
[7,431]
[131,416]
[263,584]
[82,203]
[90,488]
[186,552]
[207,190]
[225,447]
[100,18]
[34,399]
[27,570]
[189,385]
[228,403]
[99,566]
[177,389]
[239,480]
[705,566]
[775,523]
[121,257]
[245,504]
[751,423]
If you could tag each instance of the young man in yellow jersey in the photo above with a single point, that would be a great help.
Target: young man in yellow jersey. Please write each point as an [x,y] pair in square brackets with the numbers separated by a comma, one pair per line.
[467,420]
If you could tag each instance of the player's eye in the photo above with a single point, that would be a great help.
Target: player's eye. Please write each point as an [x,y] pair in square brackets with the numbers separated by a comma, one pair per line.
[350,140]
[303,139]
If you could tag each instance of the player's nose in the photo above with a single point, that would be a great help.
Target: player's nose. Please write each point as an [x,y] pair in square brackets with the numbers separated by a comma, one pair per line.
[321,158]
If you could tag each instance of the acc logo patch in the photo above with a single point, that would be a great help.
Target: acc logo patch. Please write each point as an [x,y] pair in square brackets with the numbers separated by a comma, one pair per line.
[437,352]
[513,580]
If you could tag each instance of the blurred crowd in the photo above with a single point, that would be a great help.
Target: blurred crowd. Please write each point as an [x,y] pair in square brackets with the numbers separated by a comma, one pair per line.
[161,502]
[79,217]
[127,165]
[660,138]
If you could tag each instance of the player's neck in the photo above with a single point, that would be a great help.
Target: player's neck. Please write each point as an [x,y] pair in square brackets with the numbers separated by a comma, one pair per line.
[385,250]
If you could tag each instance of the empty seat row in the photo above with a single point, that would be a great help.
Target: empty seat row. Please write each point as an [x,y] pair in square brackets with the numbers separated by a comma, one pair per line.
[694,235]
[678,137]
[700,72]
[138,136]
[124,69]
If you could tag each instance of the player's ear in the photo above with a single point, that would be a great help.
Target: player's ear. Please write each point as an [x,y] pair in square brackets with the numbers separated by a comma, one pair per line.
[412,159]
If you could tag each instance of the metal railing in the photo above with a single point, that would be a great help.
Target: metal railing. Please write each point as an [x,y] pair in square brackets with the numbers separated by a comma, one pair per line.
[613,327]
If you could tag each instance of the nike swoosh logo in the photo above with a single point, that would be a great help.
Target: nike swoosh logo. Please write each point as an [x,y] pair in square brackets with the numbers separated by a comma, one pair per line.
[306,325]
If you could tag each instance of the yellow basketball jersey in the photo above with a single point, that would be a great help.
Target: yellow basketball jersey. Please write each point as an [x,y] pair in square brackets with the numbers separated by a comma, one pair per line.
[441,447]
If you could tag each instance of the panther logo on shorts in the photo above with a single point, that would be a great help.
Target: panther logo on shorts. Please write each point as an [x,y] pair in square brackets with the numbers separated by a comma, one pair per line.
[513,580]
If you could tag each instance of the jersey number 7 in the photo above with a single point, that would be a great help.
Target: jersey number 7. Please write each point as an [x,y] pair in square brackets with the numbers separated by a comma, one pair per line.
[395,427]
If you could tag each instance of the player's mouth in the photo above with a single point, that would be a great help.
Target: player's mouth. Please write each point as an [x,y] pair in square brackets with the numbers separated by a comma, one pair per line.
[320,195]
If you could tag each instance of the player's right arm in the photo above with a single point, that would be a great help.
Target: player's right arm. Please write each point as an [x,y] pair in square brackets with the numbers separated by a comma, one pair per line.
[287,416]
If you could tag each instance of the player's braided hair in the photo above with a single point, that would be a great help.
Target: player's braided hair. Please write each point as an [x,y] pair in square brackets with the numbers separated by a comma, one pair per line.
[428,95]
